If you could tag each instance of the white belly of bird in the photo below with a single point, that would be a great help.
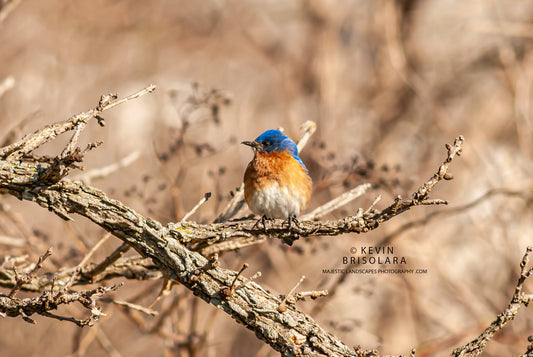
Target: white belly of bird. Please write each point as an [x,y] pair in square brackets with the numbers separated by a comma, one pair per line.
[276,202]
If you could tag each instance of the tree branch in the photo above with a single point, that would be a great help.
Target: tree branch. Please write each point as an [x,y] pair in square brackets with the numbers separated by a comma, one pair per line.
[476,346]
[49,300]
[29,143]
[21,280]
[132,268]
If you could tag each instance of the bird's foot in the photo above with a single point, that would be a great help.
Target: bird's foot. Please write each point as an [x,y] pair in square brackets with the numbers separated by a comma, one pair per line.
[263,220]
[293,225]
[292,222]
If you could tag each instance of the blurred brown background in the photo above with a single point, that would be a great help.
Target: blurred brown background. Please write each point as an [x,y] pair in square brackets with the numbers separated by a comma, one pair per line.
[388,84]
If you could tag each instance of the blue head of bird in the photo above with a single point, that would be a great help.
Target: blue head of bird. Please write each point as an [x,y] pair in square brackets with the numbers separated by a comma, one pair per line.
[275,141]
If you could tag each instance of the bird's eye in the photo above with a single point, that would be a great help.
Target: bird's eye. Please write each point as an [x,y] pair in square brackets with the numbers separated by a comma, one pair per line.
[267,143]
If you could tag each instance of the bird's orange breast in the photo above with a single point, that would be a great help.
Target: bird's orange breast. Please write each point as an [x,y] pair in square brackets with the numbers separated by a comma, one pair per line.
[280,178]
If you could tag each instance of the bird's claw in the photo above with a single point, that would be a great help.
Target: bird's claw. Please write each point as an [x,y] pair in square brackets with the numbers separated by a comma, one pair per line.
[291,220]
[263,220]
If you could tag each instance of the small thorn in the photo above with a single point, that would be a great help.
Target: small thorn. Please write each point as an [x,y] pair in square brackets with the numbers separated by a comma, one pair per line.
[448,176]
[231,290]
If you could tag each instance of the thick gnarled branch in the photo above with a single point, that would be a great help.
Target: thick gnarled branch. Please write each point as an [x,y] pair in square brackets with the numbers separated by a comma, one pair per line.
[250,305]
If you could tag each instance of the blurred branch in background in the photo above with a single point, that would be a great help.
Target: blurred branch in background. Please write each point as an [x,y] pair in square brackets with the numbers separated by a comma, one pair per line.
[6,7]
[6,84]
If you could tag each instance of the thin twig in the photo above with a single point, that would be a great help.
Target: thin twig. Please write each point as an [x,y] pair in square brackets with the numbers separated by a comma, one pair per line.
[165,290]
[12,241]
[102,172]
[129,305]
[15,131]
[369,209]
[27,277]
[72,278]
[112,258]
[106,344]
[73,140]
[337,202]
[529,352]
[85,342]
[7,84]
[138,94]
[282,306]
[305,294]
[309,128]
[7,8]
[476,346]
[231,290]
[195,208]
[232,245]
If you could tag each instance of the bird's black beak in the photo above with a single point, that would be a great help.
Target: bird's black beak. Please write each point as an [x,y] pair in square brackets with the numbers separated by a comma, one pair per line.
[253,144]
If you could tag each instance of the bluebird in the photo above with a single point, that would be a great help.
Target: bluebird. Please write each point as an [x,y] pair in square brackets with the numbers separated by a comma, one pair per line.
[276,181]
